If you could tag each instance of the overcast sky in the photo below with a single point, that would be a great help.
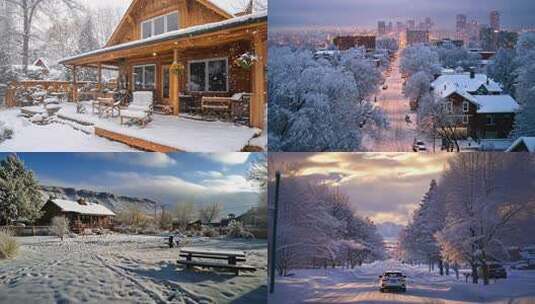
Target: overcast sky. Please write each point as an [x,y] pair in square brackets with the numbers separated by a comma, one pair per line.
[384,186]
[108,3]
[310,13]
[166,178]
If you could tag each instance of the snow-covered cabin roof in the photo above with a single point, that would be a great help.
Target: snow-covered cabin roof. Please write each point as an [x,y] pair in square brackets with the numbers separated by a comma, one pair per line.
[496,104]
[41,63]
[528,142]
[182,33]
[463,82]
[87,209]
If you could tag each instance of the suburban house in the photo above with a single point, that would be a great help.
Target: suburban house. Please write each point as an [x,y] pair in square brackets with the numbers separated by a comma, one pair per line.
[188,53]
[485,112]
[523,144]
[81,214]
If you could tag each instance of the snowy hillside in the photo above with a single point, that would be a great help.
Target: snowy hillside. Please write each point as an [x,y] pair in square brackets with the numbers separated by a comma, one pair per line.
[110,200]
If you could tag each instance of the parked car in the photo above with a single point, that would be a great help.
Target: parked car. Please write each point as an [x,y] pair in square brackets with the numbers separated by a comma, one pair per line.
[496,271]
[392,280]
[418,146]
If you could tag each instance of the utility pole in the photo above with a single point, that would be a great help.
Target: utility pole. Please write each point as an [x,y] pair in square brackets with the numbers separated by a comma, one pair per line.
[274,233]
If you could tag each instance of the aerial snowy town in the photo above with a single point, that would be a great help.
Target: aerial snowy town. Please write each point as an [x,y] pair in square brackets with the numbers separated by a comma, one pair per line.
[413,86]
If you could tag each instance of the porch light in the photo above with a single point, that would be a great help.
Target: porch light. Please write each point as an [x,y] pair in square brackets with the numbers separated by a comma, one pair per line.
[154,54]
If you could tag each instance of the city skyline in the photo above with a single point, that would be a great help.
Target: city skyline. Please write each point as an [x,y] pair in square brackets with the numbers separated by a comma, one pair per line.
[340,13]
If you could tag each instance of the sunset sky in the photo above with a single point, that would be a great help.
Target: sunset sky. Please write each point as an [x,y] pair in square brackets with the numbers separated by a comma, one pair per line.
[384,186]
[313,13]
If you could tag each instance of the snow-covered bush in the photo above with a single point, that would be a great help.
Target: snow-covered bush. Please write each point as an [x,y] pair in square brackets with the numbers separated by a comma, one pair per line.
[235,229]
[420,58]
[60,226]
[209,232]
[9,247]
[317,105]
[5,132]
[454,57]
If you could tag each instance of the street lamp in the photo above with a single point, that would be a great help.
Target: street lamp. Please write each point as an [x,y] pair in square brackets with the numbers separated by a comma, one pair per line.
[273,252]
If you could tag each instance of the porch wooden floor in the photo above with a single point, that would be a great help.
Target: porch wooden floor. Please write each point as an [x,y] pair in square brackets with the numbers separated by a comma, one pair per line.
[134,142]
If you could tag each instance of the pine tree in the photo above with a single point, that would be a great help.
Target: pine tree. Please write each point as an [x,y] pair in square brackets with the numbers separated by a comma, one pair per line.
[20,197]
[87,42]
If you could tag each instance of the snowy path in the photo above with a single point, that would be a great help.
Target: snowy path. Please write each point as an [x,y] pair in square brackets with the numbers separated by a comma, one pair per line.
[399,136]
[361,286]
[125,269]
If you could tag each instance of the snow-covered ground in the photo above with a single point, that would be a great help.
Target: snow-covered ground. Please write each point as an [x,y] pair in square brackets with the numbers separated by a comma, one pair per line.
[56,137]
[361,286]
[125,269]
[66,133]
[399,137]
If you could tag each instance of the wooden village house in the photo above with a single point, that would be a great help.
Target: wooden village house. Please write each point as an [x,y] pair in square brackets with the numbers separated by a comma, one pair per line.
[81,214]
[484,111]
[188,53]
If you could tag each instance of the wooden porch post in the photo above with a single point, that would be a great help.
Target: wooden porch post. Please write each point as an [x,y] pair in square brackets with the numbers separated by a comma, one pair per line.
[74,85]
[257,106]
[174,87]
[99,77]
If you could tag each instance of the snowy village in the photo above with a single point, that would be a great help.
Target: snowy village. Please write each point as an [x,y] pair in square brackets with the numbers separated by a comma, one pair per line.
[377,228]
[133,228]
[133,75]
[440,82]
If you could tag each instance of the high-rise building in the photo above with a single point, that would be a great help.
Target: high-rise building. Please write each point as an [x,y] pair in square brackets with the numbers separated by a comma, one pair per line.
[488,38]
[411,24]
[390,27]
[417,36]
[495,20]
[461,26]
[428,23]
[381,28]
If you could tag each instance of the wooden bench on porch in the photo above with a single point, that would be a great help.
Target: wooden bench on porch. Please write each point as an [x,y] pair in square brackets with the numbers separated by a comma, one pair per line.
[232,257]
[217,105]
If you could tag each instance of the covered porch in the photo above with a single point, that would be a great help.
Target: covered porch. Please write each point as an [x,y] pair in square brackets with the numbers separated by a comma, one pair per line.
[193,72]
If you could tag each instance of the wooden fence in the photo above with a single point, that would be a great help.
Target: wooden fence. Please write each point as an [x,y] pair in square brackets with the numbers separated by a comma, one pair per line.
[27,230]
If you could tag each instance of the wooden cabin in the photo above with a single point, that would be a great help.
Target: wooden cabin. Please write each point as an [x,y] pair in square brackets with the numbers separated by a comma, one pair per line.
[81,214]
[184,50]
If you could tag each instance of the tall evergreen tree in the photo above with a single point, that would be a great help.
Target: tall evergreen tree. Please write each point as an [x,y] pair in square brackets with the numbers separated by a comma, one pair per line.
[20,197]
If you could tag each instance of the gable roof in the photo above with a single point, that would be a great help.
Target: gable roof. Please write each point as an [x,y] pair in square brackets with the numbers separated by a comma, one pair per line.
[528,142]
[496,104]
[178,34]
[463,82]
[214,5]
[88,209]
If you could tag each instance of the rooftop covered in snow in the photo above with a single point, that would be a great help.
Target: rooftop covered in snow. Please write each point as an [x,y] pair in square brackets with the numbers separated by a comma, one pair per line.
[447,83]
[85,208]
[495,104]
[523,143]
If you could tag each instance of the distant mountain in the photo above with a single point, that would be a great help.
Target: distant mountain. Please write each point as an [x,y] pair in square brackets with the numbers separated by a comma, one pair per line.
[113,202]
[389,230]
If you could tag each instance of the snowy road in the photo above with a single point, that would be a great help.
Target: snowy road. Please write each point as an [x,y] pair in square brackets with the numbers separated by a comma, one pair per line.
[400,135]
[361,286]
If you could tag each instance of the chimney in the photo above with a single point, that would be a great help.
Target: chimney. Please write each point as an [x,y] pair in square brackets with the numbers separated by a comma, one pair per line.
[472,73]
[82,201]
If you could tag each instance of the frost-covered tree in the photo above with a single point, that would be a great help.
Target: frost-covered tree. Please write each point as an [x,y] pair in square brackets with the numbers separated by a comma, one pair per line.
[525,44]
[503,68]
[387,43]
[367,77]
[420,58]
[418,86]
[317,105]
[454,57]
[28,11]
[184,213]
[435,119]
[60,226]
[20,196]
[210,213]
[87,42]
[485,192]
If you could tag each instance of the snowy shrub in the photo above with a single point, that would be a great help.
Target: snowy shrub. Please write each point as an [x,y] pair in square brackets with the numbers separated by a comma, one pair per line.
[317,105]
[420,58]
[209,232]
[235,229]
[9,247]
[60,226]
[5,132]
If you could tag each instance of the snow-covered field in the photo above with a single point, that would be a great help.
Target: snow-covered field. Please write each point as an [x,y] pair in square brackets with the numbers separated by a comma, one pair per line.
[361,286]
[126,269]
[56,137]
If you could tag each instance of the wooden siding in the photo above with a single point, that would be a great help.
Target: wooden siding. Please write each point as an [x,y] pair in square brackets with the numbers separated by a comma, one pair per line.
[191,13]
